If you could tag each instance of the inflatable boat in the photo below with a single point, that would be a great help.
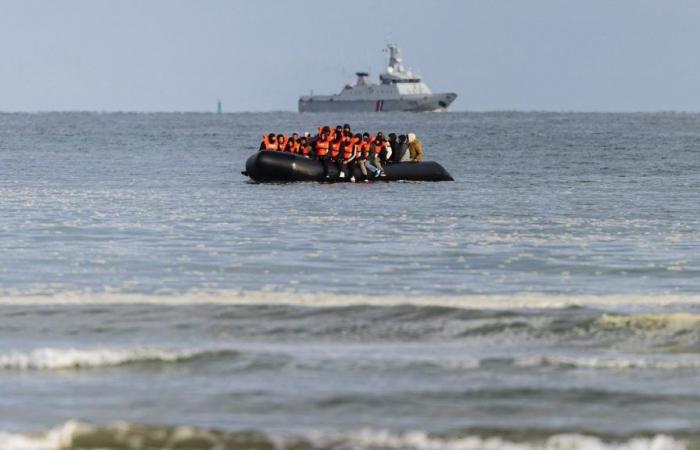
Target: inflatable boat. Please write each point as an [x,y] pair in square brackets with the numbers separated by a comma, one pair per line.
[278,166]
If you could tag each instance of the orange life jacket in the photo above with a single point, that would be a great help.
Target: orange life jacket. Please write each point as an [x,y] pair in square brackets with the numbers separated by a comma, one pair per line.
[348,149]
[282,143]
[293,147]
[377,147]
[335,148]
[322,147]
[267,145]
[305,150]
[363,149]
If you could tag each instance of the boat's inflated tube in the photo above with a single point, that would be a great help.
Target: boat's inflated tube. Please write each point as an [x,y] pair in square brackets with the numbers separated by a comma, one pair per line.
[279,166]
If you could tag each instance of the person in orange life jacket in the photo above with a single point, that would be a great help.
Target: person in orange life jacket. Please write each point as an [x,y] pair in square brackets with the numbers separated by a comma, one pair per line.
[347,129]
[334,153]
[293,144]
[335,146]
[326,129]
[378,146]
[348,153]
[322,152]
[386,152]
[361,148]
[304,146]
[365,154]
[269,142]
[281,142]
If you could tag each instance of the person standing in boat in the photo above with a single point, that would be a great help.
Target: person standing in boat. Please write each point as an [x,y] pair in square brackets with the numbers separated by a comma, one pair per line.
[415,148]
[336,144]
[348,153]
[322,152]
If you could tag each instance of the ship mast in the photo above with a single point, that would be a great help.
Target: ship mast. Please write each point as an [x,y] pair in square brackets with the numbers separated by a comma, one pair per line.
[395,61]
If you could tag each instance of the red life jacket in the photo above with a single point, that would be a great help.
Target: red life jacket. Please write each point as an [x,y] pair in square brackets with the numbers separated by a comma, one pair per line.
[267,145]
[322,147]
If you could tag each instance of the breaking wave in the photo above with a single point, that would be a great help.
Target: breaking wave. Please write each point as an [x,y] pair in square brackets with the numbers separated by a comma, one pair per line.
[607,363]
[674,323]
[324,299]
[125,436]
[625,324]
[71,358]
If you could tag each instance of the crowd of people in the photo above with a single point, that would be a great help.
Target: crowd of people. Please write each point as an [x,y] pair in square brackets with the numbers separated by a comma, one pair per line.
[347,150]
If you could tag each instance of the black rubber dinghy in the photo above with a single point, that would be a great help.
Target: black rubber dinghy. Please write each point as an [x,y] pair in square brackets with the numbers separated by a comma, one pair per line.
[279,166]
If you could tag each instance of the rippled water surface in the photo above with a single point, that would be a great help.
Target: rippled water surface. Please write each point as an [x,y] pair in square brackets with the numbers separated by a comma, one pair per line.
[152,297]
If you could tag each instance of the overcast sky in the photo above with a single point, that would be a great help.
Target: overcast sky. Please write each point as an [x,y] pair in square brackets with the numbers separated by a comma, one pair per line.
[258,55]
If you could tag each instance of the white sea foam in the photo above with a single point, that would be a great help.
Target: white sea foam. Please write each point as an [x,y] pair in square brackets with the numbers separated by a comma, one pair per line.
[72,358]
[73,435]
[423,441]
[653,322]
[321,299]
[669,363]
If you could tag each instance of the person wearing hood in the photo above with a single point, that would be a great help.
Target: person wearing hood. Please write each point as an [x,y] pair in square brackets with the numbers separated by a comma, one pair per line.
[401,154]
[415,148]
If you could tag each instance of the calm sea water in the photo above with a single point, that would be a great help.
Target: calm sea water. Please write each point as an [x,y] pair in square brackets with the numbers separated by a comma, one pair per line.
[152,297]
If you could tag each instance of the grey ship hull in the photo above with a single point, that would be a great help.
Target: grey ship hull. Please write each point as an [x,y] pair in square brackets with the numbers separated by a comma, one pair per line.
[410,103]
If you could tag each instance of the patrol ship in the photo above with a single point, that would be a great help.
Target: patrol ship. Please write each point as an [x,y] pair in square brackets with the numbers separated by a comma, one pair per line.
[398,90]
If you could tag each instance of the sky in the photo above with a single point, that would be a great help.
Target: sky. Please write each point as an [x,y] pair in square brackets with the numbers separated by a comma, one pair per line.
[261,55]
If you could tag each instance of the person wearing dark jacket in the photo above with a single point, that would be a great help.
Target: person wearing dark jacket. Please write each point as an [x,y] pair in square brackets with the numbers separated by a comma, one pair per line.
[392,143]
[400,153]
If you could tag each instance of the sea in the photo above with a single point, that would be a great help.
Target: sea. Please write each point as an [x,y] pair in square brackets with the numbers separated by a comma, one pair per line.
[153,297]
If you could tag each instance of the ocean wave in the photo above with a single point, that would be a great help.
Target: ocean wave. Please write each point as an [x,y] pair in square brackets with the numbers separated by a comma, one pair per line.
[79,359]
[674,323]
[125,436]
[623,323]
[607,363]
[330,300]
[73,358]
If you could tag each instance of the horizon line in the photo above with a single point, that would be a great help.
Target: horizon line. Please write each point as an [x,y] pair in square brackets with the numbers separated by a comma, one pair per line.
[483,111]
